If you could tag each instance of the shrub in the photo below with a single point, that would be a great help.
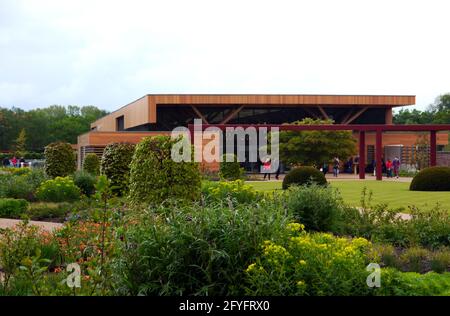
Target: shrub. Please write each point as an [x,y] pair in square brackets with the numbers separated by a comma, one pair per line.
[387,254]
[12,208]
[21,186]
[115,164]
[237,191]
[414,258]
[155,177]
[230,169]
[310,264]
[303,175]
[440,260]
[399,283]
[432,179]
[91,164]
[194,250]
[59,160]
[85,181]
[58,190]
[48,211]
[315,206]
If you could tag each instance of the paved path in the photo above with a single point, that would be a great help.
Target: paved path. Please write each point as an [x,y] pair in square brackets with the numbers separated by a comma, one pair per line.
[7,223]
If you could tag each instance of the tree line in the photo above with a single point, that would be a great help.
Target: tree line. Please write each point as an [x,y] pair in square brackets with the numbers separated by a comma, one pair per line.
[436,113]
[32,130]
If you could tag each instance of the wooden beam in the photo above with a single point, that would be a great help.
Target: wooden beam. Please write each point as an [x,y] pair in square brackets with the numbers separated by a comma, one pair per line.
[354,117]
[325,116]
[232,115]
[194,108]
[346,117]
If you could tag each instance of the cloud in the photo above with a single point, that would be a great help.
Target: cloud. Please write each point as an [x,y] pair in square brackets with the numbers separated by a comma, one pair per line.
[108,53]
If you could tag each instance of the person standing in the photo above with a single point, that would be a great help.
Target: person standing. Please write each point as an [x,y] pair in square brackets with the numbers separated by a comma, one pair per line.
[336,164]
[266,167]
[389,168]
[396,166]
[6,162]
[14,161]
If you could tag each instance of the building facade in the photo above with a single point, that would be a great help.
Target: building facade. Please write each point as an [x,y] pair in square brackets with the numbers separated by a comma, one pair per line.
[160,114]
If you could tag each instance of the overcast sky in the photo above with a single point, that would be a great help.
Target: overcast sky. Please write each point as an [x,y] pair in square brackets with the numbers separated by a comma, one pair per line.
[109,53]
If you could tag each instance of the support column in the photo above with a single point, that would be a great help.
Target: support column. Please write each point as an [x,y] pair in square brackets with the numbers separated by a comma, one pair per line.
[362,154]
[379,154]
[432,148]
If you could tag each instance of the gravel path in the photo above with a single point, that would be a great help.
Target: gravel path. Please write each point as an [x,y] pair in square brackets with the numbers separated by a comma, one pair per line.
[7,223]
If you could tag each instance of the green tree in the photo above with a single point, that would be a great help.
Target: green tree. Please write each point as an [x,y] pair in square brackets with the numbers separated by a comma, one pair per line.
[59,160]
[20,144]
[313,148]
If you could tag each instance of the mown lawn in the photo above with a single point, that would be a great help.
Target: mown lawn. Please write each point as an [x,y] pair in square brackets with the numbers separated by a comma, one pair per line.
[395,194]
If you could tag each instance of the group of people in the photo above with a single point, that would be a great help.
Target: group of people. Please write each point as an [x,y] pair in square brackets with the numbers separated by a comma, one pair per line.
[13,162]
[392,168]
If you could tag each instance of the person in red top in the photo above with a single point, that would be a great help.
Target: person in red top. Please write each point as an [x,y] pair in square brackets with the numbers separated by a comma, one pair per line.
[14,161]
[266,167]
[389,168]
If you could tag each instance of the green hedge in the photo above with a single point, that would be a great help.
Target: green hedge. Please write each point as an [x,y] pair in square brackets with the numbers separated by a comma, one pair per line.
[303,175]
[91,164]
[115,165]
[12,208]
[155,177]
[230,168]
[59,160]
[432,179]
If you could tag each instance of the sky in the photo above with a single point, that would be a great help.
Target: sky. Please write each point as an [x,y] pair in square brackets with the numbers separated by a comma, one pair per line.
[109,53]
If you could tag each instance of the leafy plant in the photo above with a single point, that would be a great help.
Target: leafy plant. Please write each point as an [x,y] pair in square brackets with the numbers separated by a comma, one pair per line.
[58,190]
[440,260]
[12,208]
[315,206]
[85,181]
[155,177]
[230,169]
[413,257]
[431,179]
[303,175]
[59,160]
[234,191]
[91,164]
[115,164]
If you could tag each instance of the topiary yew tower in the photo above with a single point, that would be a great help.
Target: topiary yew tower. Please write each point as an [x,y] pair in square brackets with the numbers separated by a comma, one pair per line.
[155,177]
[59,160]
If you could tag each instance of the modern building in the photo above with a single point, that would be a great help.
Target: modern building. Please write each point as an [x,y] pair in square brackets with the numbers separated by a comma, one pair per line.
[161,113]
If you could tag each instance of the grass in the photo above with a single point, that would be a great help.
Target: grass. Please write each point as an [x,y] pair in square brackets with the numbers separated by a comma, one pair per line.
[395,194]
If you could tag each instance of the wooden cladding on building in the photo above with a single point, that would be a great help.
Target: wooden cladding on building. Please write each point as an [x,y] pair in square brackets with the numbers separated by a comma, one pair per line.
[144,110]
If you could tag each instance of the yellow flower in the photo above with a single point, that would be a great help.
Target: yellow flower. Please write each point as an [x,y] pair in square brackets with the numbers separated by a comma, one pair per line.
[295,227]
[251,267]
[300,283]
[302,262]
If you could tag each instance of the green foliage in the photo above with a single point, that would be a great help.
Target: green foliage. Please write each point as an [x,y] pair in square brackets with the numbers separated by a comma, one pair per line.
[91,164]
[315,206]
[394,282]
[12,208]
[16,187]
[20,145]
[85,181]
[440,260]
[303,175]
[230,169]
[432,179]
[115,164]
[42,211]
[426,228]
[45,125]
[59,160]
[234,191]
[313,148]
[195,250]
[310,264]
[155,177]
[58,190]
[414,257]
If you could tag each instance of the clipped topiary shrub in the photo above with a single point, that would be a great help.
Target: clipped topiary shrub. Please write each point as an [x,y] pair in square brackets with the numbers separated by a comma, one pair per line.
[155,177]
[115,165]
[59,160]
[12,208]
[303,175]
[432,179]
[58,190]
[230,169]
[85,181]
[91,164]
